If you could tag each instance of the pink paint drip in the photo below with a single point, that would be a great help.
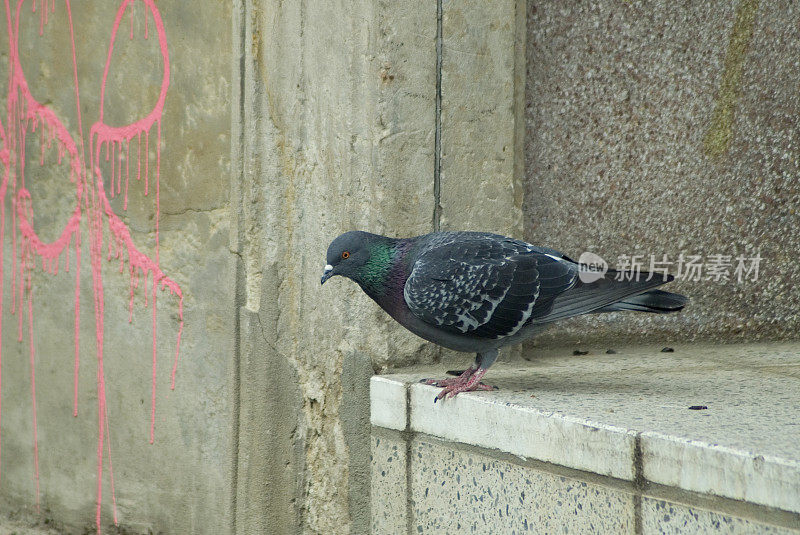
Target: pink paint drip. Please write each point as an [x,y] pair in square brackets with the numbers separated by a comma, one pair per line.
[4,160]
[92,209]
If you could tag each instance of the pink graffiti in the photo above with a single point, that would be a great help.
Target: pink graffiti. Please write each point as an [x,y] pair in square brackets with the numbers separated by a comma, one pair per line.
[92,214]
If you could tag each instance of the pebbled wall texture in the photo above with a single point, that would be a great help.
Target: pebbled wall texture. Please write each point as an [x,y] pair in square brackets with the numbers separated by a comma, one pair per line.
[659,128]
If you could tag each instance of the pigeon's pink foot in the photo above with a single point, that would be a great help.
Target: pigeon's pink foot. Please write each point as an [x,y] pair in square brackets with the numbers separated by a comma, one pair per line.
[461,379]
[468,381]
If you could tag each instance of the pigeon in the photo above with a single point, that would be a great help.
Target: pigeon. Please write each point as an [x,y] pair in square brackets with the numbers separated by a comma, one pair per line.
[477,292]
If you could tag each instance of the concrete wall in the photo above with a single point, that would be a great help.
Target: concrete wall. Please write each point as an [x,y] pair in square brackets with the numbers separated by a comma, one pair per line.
[660,128]
[283,125]
[286,123]
[341,128]
[179,482]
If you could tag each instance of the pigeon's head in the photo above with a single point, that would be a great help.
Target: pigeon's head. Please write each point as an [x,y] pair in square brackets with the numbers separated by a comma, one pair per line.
[349,254]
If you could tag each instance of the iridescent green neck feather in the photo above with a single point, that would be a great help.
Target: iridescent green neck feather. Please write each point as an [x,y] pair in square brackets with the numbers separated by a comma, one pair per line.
[373,275]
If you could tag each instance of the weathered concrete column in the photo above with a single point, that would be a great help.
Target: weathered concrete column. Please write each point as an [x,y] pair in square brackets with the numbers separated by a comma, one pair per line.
[336,128]
[339,131]
[482,122]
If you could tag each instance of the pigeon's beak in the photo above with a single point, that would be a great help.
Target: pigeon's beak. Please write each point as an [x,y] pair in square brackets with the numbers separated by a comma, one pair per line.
[327,273]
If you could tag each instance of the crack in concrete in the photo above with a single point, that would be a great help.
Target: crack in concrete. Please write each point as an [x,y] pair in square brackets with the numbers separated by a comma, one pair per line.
[195,211]
[639,483]
[238,21]
[271,345]
[407,437]
[437,142]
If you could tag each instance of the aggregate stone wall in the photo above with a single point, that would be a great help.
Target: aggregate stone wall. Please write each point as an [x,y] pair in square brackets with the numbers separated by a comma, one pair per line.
[664,128]
[428,485]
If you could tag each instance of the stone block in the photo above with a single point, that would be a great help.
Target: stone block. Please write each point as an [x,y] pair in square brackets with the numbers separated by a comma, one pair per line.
[669,518]
[460,491]
[389,492]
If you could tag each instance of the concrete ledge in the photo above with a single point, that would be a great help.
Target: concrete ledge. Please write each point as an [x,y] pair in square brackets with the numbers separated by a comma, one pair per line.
[519,428]
[388,403]
[626,416]
[710,468]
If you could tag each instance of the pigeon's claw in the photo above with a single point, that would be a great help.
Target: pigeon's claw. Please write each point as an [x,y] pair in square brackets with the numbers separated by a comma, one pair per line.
[452,381]
[451,391]
[468,381]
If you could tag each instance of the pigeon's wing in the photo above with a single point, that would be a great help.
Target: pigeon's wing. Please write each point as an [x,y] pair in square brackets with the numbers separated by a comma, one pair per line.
[485,286]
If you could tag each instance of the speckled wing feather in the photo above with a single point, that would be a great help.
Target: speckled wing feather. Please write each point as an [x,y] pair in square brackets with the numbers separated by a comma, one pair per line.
[484,285]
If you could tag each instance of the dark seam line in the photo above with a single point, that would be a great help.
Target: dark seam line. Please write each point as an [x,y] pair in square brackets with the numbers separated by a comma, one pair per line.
[239,283]
[437,149]
[408,436]
[639,484]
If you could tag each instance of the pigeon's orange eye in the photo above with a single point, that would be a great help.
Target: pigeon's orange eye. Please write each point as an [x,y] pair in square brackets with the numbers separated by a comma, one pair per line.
[346,254]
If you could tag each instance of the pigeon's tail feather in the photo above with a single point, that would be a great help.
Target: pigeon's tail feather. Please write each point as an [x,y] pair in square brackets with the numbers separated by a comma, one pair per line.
[655,301]
[605,295]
